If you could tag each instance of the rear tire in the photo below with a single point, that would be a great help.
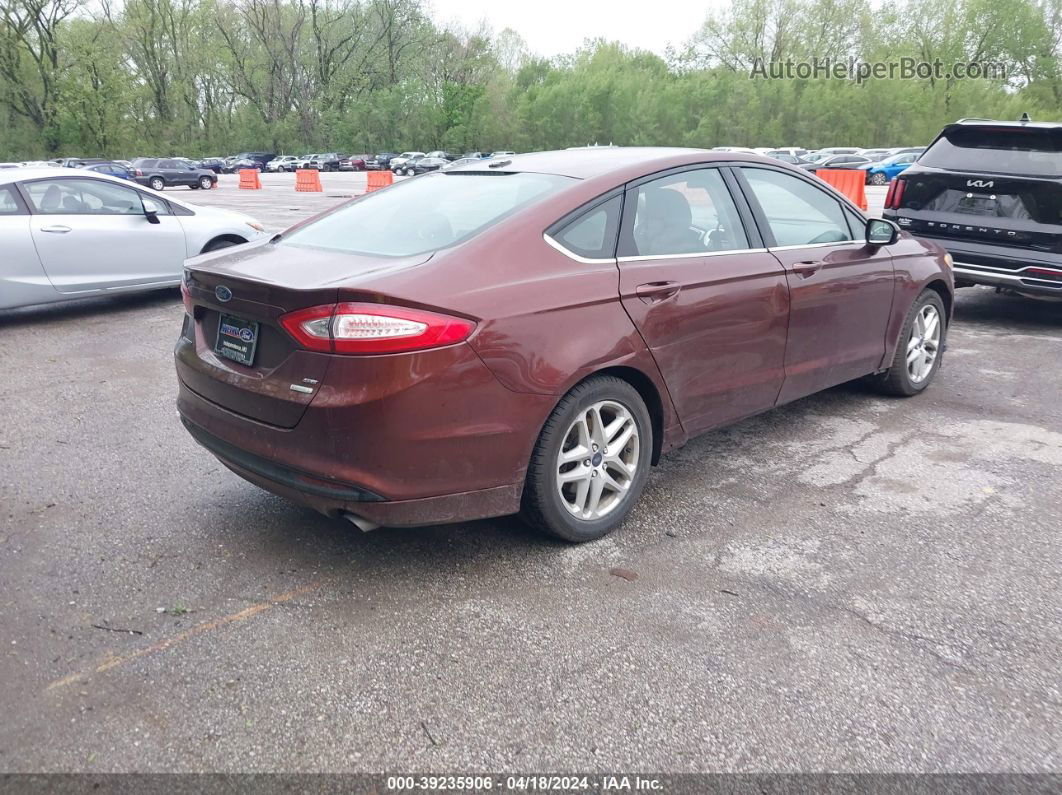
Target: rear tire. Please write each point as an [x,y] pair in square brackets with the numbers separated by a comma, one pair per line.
[577,488]
[920,349]
[157,183]
[879,179]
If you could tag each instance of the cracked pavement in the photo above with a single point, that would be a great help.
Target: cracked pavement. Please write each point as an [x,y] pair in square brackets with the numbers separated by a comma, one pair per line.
[850,583]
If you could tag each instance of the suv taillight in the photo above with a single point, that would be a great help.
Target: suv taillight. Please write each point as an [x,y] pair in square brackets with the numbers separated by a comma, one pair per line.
[895,193]
[354,329]
[139,173]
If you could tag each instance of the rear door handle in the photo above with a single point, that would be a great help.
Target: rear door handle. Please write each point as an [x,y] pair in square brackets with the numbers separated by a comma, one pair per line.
[806,269]
[56,229]
[655,292]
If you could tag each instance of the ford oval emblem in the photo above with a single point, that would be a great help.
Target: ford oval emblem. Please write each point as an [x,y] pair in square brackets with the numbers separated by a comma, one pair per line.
[223,293]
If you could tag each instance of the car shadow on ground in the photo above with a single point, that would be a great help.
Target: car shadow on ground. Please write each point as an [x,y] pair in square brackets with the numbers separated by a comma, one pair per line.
[89,307]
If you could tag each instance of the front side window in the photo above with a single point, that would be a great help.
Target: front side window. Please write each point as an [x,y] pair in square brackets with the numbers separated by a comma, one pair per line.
[797,212]
[691,212]
[434,211]
[82,197]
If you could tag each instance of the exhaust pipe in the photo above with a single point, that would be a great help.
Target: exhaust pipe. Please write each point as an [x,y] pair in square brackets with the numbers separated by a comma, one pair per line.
[360,522]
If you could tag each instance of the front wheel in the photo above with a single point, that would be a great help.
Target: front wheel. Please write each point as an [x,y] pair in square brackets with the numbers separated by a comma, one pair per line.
[206,183]
[157,183]
[591,461]
[878,179]
[921,347]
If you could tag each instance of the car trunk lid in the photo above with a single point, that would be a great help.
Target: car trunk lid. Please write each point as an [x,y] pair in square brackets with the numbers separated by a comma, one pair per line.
[273,379]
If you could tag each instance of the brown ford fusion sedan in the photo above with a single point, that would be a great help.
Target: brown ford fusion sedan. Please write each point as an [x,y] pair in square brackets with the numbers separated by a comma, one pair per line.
[531,334]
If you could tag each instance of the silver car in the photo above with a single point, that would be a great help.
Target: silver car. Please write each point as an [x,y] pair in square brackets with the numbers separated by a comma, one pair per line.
[68,234]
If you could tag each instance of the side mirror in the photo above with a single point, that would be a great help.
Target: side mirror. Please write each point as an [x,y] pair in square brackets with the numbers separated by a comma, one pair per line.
[881,232]
[151,211]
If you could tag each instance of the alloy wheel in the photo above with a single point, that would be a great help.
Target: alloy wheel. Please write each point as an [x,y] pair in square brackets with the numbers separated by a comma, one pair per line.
[923,346]
[598,460]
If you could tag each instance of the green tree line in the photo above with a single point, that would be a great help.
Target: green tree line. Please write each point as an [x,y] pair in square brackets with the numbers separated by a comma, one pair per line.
[208,77]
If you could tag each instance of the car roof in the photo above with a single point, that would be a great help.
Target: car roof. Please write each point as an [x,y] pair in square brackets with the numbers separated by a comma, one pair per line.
[603,161]
[9,175]
[1043,125]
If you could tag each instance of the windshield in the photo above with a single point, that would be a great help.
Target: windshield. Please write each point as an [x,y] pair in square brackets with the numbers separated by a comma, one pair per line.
[817,156]
[425,214]
[1001,150]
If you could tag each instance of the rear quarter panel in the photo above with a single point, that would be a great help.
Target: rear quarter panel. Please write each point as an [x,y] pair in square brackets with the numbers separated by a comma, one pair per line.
[22,278]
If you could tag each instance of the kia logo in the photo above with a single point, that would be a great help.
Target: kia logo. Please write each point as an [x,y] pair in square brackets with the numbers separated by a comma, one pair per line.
[223,293]
[979,183]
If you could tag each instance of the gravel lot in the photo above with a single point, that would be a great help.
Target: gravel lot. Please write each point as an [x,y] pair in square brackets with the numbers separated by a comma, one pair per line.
[847,583]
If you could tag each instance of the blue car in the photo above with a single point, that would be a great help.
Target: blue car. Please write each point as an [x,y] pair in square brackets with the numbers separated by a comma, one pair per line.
[882,172]
[113,169]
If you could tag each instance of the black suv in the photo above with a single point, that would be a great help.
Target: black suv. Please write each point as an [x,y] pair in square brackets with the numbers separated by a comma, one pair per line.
[990,192]
[159,173]
[256,160]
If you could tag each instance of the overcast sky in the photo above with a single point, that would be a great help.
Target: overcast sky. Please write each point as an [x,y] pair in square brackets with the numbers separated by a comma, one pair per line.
[552,27]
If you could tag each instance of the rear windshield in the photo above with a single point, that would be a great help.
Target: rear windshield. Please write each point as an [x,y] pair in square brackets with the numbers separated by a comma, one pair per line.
[425,214]
[999,150]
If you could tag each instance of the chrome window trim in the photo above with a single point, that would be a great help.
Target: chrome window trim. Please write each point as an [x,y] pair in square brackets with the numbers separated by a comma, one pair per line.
[573,256]
[813,245]
[696,254]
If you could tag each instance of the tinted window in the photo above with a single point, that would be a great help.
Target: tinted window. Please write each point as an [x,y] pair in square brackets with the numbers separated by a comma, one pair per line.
[434,211]
[170,164]
[83,197]
[146,163]
[8,204]
[999,150]
[797,212]
[593,234]
[691,212]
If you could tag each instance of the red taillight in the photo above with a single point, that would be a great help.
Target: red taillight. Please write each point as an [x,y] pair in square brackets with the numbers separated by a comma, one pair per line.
[139,173]
[895,194]
[351,328]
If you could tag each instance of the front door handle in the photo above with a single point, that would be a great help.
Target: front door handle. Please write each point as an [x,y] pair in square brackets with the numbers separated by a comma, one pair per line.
[56,229]
[806,269]
[655,292]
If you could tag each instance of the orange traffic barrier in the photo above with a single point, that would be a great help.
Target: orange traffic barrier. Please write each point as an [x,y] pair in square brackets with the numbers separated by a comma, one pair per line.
[378,179]
[848,181]
[249,179]
[308,180]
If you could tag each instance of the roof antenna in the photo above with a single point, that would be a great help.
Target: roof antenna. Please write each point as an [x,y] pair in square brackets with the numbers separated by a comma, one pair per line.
[1024,118]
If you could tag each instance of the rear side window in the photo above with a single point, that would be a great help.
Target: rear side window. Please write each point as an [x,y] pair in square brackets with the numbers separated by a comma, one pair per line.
[8,204]
[1022,151]
[593,234]
[431,212]
[691,212]
[145,163]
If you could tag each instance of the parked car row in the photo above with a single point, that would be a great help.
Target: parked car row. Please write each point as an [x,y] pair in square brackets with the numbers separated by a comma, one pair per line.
[880,165]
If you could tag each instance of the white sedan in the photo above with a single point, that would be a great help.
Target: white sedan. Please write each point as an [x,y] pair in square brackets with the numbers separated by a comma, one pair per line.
[70,234]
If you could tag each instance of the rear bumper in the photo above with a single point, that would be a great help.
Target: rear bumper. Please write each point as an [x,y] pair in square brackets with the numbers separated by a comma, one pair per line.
[336,499]
[399,440]
[1020,269]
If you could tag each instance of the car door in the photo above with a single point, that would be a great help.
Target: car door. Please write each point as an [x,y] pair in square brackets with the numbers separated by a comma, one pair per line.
[92,235]
[711,304]
[840,288]
[175,172]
